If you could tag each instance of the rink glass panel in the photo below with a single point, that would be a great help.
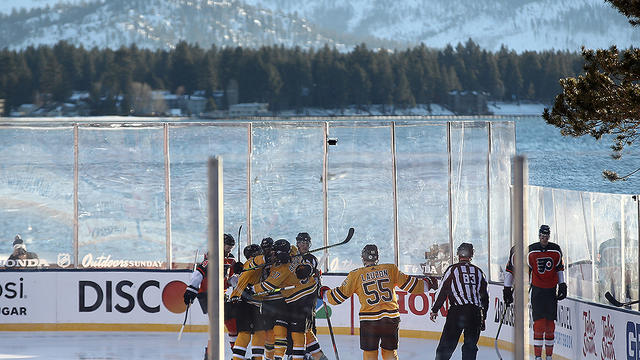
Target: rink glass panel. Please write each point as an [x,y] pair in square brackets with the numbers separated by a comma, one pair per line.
[573,231]
[360,193]
[469,188]
[630,249]
[121,194]
[36,189]
[501,150]
[422,183]
[286,181]
[190,146]
[609,246]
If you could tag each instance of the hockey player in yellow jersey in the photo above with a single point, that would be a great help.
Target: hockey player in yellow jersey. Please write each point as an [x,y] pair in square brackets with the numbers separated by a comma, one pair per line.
[251,325]
[379,312]
[297,302]
[255,270]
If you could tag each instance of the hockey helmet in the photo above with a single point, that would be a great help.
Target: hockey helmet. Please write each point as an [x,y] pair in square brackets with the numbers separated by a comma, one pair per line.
[252,251]
[465,250]
[370,253]
[544,230]
[282,247]
[266,244]
[303,237]
[229,240]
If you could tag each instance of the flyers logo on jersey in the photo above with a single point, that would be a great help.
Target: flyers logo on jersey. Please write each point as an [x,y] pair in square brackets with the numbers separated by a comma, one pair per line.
[544,264]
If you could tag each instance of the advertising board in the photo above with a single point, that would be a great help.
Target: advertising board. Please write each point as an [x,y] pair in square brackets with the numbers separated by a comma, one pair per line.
[153,301]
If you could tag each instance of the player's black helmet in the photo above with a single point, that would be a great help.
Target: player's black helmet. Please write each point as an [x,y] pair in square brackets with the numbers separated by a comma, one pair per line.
[370,253]
[282,247]
[544,230]
[229,240]
[266,244]
[465,250]
[303,237]
[252,250]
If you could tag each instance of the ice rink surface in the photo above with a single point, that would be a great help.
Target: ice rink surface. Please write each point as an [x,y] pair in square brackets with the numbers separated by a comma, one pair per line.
[61,345]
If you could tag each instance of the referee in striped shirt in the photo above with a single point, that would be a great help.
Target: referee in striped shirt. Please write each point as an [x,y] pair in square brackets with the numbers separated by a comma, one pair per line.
[466,287]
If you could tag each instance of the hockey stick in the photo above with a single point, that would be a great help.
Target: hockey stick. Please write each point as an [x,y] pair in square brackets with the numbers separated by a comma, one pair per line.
[274,291]
[186,313]
[617,303]
[495,343]
[333,339]
[346,240]
[239,230]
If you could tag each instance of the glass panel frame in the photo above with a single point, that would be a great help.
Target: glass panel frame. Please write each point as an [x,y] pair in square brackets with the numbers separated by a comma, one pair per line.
[423,196]
[469,188]
[36,189]
[121,196]
[286,181]
[190,146]
[360,193]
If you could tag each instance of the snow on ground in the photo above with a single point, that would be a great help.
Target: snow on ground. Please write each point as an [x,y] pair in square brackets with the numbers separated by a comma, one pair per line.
[61,345]
[6,6]
[495,108]
[373,110]
[522,108]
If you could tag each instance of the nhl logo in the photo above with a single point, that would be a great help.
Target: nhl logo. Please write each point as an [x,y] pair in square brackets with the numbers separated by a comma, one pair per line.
[64,260]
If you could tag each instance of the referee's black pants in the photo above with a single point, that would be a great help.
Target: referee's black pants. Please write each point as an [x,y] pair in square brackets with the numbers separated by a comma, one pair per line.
[460,318]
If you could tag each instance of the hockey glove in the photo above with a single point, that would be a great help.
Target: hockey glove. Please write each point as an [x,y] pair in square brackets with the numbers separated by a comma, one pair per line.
[432,281]
[562,291]
[190,294]
[303,271]
[248,293]
[323,290]
[507,295]
[238,267]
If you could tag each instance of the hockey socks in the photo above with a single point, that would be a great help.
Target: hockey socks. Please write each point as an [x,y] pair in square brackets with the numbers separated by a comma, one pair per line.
[298,345]
[312,343]
[543,334]
[549,337]
[370,355]
[389,354]
[231,330]
[257,345]
[280,344]
[269,348]
[240,346]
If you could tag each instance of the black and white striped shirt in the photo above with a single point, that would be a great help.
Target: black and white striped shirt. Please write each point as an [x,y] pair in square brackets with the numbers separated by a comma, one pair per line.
[463,283]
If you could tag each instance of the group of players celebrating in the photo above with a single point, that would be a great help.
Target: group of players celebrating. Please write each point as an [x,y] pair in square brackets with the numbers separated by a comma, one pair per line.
[273,298]
[272,303]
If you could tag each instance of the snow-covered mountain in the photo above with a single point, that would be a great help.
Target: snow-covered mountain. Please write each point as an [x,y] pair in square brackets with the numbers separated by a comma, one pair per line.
[161,24]
[518,24]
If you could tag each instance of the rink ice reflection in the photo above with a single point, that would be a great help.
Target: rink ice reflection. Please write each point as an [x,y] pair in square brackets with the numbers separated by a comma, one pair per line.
[73,345]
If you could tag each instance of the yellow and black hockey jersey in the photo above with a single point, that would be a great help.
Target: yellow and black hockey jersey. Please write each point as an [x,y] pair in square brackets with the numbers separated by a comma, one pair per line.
[248,278]
[375,287]
[284,275]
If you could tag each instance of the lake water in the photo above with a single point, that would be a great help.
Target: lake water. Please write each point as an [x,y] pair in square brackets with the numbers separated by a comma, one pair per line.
[572,163]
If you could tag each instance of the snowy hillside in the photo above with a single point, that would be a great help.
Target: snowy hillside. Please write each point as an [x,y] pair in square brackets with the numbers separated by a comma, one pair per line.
[518,24]
[161,24]
[7,6]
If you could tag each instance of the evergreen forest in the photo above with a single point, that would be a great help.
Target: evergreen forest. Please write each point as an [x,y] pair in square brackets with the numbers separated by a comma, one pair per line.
[285,78]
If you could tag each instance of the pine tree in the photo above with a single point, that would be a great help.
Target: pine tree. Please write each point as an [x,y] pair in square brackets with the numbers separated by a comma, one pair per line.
[605,99]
